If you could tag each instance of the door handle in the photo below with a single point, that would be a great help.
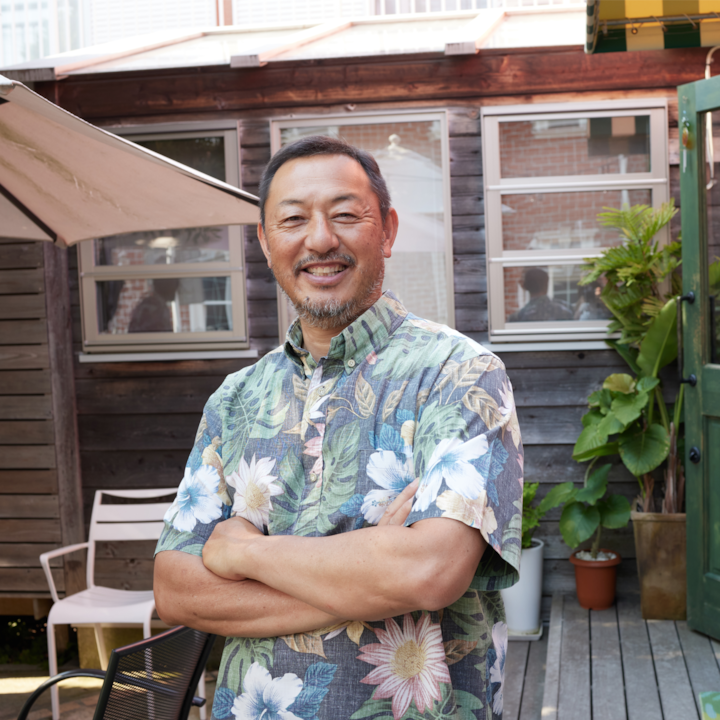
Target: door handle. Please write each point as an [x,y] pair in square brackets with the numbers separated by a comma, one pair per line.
[691,380]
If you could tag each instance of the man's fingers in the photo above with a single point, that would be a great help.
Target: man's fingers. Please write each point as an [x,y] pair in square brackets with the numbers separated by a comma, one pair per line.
[397,512]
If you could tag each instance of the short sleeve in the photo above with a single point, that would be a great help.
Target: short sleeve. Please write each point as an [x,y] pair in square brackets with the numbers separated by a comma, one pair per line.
[468,455]
[202,499]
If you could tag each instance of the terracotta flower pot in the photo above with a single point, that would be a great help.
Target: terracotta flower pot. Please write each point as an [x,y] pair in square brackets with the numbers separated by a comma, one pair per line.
[595,580]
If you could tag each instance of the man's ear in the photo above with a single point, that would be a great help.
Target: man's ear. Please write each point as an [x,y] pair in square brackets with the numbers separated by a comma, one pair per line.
[390,229]
[264,243]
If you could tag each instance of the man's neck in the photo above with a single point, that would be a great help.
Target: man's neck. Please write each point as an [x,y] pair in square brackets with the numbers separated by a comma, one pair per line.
[317,340]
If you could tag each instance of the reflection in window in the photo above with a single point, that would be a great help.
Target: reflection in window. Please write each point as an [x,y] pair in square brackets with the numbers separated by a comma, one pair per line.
[409,153]
[164,304]
[189,245]
[551,294]
[562,220]
[575,146]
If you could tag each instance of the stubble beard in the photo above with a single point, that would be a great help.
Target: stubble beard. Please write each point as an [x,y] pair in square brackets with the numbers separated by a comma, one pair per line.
[331,313]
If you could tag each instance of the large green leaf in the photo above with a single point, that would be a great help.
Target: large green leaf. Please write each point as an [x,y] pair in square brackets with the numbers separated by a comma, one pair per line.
[627,408]
[578,522]
[591,438]
[595,487]
[646,384]
[643,451]
[619,382]
[557,496]
[611,448]
[614,511]
[611,425]
[660,344]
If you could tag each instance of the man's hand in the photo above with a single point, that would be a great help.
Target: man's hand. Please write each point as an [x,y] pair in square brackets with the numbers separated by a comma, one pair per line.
[224,548]
[396,513]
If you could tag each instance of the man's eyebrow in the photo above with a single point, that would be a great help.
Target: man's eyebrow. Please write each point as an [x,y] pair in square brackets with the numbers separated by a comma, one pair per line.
[336,199]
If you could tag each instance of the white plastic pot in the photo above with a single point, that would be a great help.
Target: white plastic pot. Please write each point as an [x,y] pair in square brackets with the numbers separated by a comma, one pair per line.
[522,601]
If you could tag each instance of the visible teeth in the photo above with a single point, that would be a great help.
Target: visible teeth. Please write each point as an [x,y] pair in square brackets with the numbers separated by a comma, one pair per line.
[327,270]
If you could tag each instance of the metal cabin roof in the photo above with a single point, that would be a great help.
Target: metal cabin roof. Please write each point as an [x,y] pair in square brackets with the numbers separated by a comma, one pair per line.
[459,33]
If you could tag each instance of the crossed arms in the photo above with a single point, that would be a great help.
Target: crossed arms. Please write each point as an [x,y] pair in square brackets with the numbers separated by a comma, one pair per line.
[251,585]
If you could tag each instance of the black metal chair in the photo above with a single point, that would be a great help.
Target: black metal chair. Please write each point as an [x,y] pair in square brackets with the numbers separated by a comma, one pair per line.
[153,679]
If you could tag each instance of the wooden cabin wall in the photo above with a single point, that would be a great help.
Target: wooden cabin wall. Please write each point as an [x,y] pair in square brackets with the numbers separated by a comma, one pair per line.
[39,482]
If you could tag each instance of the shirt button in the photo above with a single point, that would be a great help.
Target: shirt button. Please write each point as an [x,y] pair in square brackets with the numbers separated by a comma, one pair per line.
[351,363]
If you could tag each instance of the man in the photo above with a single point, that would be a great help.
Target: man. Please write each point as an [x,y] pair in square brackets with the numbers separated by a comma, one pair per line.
[381,455]
[540,307]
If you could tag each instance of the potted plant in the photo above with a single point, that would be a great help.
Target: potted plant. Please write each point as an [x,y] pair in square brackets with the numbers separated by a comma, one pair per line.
[522,600]
[629,416]
[586,511]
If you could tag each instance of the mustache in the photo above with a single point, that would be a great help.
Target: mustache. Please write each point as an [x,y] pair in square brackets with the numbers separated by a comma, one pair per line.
[330,257]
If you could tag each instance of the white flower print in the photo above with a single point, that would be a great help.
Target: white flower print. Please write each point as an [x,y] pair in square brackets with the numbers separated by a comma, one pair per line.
[265,697]
[254,487]
[497,671]
[450,461]
[391,474]
[197,499]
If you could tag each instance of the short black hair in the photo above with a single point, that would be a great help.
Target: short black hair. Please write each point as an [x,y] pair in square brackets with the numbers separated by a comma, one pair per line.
[536,281]
[323,145]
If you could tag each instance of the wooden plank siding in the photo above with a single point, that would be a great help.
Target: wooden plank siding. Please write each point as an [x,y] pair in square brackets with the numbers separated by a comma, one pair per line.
[29,509]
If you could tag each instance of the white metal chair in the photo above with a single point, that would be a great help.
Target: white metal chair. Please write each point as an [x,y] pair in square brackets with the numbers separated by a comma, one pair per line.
[101,606]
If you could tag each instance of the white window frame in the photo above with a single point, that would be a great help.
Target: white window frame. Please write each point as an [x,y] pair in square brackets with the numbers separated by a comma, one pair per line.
[285,316]
[657,181]
[96,342]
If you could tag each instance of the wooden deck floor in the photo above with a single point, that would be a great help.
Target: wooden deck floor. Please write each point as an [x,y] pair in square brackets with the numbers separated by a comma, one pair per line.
[610,665]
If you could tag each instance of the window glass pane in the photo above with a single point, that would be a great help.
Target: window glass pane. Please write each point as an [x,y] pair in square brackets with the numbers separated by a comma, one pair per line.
[409,154]
[191,245]
[575,146]
[204,154]
[551,294]
[557,221]
[164,304]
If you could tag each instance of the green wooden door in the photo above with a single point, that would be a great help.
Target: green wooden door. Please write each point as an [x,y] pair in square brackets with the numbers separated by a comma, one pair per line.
[700,203]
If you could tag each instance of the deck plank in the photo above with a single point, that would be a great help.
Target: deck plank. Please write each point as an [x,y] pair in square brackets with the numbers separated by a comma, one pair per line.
[532,697]
[676,695]
[574,701]
[607,674]
[700,661]
[515,664]
[643,700]
[551,691]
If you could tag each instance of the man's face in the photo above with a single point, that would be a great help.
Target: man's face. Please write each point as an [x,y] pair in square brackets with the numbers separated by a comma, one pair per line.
[325,240]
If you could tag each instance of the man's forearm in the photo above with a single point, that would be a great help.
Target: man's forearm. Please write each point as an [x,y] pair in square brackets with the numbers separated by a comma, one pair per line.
[367,574]
[187,593]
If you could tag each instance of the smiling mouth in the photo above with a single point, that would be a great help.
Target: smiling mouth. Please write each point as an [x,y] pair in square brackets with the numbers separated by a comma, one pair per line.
[326,270]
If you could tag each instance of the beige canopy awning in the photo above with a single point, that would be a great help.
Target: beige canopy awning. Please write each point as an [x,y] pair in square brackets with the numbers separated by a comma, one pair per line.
[65,180]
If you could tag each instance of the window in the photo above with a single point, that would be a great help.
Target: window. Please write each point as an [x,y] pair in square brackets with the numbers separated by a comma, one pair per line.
[173,289]
[412,152]
[549,170]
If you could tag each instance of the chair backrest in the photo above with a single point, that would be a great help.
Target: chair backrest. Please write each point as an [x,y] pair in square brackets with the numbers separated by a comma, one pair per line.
[128,521]
[154,679]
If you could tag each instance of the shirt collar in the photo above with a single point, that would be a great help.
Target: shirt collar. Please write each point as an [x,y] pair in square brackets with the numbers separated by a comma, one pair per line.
[368,334]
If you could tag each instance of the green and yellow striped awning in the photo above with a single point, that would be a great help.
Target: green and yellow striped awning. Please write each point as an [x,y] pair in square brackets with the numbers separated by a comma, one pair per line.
[616,25]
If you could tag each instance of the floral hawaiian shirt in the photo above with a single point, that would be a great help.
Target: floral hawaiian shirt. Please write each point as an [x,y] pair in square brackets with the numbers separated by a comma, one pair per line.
[305,448]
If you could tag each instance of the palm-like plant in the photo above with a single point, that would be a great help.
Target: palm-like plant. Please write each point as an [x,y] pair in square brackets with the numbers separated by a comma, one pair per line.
[629,416]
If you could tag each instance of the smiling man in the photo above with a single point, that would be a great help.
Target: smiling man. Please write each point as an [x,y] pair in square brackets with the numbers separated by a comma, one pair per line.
[352,503]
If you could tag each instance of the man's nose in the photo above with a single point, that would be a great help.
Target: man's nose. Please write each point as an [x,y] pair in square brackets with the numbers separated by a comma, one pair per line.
[321,237]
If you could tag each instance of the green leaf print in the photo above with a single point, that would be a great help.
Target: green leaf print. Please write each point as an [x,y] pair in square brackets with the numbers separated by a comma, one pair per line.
[340,473]
[411,355]
[285,508]
[373,707]
[467,702]
[437,423]
[245,652]
[271,415]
